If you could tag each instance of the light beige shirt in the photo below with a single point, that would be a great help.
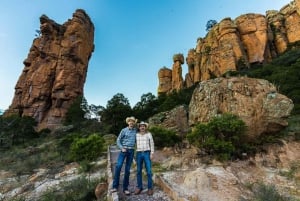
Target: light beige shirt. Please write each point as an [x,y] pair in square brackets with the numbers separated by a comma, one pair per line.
[144,142]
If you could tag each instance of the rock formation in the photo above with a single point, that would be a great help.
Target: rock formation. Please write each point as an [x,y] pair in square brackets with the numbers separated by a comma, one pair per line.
[171,79]
[177,81]
[255,101]
[55,70]
[232,45]
[165,80]
[176,120]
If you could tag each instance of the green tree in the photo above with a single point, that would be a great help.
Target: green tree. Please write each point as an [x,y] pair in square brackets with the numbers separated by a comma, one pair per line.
[17,129]
[76,112]
[146,107]
[170,101]
[115,113]
[210,24]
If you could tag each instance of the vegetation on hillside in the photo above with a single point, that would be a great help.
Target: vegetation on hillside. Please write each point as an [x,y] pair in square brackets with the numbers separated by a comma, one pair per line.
[81,140]
[284,73]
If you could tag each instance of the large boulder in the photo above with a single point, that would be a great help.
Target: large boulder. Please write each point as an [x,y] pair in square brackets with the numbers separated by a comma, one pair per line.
[255,101]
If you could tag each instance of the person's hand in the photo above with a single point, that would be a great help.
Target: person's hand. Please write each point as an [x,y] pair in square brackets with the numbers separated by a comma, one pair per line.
[123,150]
[151,156]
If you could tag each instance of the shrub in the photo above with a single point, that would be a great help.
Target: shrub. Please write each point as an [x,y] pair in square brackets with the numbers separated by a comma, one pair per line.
[17,130]
[221,136]
[18,198]
[263,192]
[80,189]
[86,148]
[163,137]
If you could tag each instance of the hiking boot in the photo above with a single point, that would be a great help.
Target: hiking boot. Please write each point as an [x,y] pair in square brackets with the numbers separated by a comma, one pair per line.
[150,192]
[137,191]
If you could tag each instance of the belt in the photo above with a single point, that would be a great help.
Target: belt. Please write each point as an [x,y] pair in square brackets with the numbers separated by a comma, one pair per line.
[144,151]
[128,147]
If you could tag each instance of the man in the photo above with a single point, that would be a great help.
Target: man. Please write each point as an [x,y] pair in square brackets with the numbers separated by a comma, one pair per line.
[126,142]
[144,154]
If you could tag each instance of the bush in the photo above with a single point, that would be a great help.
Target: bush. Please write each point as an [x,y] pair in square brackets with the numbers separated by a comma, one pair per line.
[86,148]
[163,137]
[264,192]
[80,189]
[222,136]
[17,130]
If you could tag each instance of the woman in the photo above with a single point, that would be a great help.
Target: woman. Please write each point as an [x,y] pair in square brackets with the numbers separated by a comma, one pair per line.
[144,154]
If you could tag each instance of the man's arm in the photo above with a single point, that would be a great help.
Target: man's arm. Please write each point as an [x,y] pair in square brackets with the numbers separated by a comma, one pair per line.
[119,139]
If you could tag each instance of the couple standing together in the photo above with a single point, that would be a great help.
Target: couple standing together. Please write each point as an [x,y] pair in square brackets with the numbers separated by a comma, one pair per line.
[126,141]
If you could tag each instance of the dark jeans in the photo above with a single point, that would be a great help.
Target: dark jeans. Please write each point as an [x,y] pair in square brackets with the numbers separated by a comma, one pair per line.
[140,158]
[128,155]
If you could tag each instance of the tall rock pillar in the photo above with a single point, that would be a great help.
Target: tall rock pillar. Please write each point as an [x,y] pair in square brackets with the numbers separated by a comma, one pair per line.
[55,70]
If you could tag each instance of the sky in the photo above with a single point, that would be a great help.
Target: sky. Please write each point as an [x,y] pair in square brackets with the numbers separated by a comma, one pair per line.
[133,39]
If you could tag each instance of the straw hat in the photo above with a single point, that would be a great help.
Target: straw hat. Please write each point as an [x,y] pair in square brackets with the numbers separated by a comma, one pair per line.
[143,123]
[131,119]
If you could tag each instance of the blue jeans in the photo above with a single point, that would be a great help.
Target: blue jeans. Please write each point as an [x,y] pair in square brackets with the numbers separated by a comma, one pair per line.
[128,155]
[140,158]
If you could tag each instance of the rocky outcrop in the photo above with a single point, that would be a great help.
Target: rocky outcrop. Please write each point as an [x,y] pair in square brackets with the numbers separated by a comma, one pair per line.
[255,101]
[55,70]
[177,81]
[171,80]
[232,45]
[175,119]
[165,80]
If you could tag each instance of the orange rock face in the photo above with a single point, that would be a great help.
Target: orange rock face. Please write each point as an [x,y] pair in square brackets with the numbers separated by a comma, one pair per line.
[165,80]
[232,45]
[177,81]
[55,70]
[253,30]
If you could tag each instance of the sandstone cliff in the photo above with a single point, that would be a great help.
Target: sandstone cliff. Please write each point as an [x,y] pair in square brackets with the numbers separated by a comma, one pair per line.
[232,45]
[55,70]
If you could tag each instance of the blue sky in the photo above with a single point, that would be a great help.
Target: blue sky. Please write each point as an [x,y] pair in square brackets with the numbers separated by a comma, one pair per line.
[133,39]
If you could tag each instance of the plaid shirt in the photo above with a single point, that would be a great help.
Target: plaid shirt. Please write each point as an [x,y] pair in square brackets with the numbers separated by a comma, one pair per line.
[144,142]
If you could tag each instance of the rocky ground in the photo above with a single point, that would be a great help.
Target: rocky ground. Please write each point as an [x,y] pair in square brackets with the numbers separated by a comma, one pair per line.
[33,186]
[188,176]
[195,179]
